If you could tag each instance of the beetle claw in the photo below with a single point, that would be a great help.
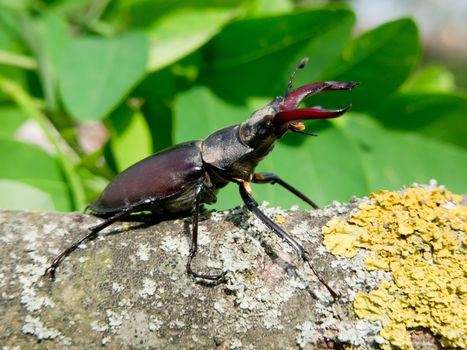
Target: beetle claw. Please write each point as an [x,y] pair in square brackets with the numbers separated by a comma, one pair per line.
[289,111]
[309,113]
[211,279]
[50,271]
[297,96]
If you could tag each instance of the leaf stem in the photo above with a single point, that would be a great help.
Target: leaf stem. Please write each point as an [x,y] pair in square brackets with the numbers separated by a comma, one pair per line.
[16,60]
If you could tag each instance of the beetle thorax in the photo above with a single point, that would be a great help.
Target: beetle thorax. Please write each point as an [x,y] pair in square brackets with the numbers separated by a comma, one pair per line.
[225,151]
[237,150]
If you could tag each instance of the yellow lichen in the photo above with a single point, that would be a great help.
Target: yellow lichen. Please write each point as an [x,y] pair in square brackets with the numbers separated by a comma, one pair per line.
[280,219]
[420,237]
[340,238]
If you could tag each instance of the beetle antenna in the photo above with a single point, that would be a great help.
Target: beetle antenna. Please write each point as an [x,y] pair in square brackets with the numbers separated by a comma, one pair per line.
[301,65]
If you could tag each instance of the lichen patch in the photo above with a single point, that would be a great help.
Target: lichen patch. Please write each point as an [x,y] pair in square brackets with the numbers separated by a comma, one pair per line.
[419,236]
[144,252]
[34,326]
[149,288]
[175,244]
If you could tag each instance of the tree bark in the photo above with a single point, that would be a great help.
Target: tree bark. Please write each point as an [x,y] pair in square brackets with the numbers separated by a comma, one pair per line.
[129,289]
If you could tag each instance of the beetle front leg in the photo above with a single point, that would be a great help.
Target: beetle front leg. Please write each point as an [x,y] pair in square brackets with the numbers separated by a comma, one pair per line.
[252,205]
[269,178]
[194,241]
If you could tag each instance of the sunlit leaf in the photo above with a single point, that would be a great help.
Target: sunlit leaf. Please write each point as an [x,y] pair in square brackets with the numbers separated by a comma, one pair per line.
[433,78]
[10,32]
[97,73]
[11,118]
[31,165]
[326,168]
[57,190]
[394,159]
[262,7]
[130,140]
[142,14]
[48,38]
[182,31]
[20,196]
[21,160]
[199,112]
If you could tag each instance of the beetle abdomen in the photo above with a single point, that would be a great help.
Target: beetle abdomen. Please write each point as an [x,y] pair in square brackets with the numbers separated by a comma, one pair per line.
[154,178]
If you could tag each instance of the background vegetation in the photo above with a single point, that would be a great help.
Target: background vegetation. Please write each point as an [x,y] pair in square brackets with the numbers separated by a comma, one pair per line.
[148,74]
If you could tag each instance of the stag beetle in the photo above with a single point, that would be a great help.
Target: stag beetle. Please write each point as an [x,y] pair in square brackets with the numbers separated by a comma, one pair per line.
[175,182]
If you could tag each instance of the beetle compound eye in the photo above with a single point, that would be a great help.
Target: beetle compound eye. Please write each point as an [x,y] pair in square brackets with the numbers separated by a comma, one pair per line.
[262,132]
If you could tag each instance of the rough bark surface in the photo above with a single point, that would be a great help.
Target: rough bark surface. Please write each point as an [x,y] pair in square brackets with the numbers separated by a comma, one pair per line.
[129,289]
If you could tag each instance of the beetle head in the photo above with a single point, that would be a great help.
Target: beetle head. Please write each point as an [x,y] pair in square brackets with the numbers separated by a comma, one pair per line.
[271,122]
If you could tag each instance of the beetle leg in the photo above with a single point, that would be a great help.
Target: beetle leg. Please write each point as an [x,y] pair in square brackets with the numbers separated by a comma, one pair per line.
[269,178]
[252,205]
[94,231]
[194,241]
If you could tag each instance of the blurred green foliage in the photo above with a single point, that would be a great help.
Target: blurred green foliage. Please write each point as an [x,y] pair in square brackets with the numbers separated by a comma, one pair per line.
[156,73]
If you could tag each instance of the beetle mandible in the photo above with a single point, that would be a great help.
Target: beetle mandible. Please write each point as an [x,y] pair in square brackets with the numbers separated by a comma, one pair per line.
[175,182]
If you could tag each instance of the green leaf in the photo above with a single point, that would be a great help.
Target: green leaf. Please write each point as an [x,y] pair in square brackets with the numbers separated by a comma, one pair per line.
[434,115]
[271,48]
[395,159]
[11,118]
[57,190]
[76,10]
[14,74]
[140,13]
[380,59]
[19,196]
[48,38]
[198,112]
[131,139]
[144,13]
[10,30]
[260,37]
[12,47]
[263,7]
[31,165]
[433,78]
[158,104]
[182,31]
[94,184]
[97,73]
[21,161]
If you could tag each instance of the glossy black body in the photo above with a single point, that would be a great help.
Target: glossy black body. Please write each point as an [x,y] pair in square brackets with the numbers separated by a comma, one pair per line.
[162,183]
